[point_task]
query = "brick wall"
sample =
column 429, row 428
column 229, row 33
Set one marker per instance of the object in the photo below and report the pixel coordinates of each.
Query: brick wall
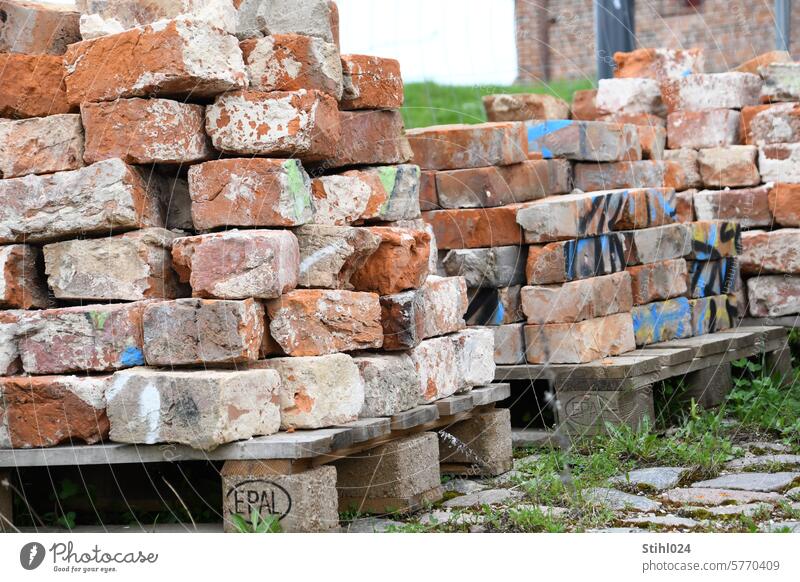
column 729, row 31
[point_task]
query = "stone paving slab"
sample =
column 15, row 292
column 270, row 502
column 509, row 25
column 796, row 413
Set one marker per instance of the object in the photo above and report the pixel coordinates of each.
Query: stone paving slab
column 655, row 478
column 763, row 461
column 711, row 496
column 764, row 482
column 619, row 500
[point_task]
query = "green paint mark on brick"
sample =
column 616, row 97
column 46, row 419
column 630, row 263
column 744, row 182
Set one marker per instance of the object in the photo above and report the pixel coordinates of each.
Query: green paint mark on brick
column 388, row 178
column 297, row 182
column 99, row 318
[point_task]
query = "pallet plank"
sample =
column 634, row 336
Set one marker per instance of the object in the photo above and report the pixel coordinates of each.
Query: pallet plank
column 454, row 404
column 365, row 429
column 417, row 416
column 482, row 395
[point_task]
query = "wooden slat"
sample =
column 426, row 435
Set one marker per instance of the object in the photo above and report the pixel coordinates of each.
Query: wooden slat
column 482, row 395
column 632, row 364
column 365, row 429
column 712, row 343
column 454, row 404
column 415, row 417
column 785, row 321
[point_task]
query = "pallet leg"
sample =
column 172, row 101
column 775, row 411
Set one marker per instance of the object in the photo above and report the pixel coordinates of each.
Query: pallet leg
column 482, row 446
column 779, row 362
column 709, row 386
column 398, row 477
column 6, row 501
column 587, row 413
column 303, row 499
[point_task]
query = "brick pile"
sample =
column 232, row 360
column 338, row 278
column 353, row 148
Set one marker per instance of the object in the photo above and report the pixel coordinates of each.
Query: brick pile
column 573, row 275
column 735, row 135
column 477, row 178
column 211, row 231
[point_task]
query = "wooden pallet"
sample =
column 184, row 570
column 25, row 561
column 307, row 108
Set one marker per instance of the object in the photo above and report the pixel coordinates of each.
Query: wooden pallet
column 620, row 389
column 282, row 453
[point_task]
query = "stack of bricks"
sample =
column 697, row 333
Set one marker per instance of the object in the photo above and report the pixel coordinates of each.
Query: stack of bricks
column 686, row 285
column 770, row 211
column 616, row 263
column 211, row 231
column 476, row 178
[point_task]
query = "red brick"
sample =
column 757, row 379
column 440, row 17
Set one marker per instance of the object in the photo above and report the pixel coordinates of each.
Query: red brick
column 176, row 58
column 315, row 322
column 711, row 91
column 371, row 83
column 780, row 162
column 684, row 205
column 711, row 128
column 645, row 173
column 784, row 204
column 688, row 160
column 145, row 131
column 575, row 343
column 475, row 228
column 22, row 285
column 437, row 308
column 570, row 260
column 577, row 300
column 587, row 141
column 773, row 295
column 714, row 239
column 238, row 264
column 729, row 167
column 747, row 206
column 303, row 124
column 371, row 138
column 289, row 62
column 32, row 28
column 32, row 86
column 658, row 281
column 710, row 314
column 46, row 411
column 632, row 95
column 775, row 251
column 453, row 147
column 105, row 198
column 428, row 193
column 202, row 332
column 130, row 267
column 42, row 145
column 658, row 63
column 249, row 192
column 502, row 185
column 94, row 338
column 768, row 124
column 653, row 140
column 583, row 214
column 400, row 263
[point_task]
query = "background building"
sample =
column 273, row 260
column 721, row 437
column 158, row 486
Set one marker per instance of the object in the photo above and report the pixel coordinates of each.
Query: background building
column 554, row 37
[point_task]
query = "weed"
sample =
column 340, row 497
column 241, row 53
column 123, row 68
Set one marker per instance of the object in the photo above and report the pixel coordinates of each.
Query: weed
column 761, row 400
column 257, row 524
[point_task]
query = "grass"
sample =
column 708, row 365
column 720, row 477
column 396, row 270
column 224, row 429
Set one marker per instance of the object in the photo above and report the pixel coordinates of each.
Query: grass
column 431, row 104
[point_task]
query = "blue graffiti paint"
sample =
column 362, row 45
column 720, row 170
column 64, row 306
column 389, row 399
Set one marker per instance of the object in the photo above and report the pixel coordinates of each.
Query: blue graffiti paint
column 499, row 314
column 660, row 316
column 669, row 209
column 132, row 356
column 539, row 130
